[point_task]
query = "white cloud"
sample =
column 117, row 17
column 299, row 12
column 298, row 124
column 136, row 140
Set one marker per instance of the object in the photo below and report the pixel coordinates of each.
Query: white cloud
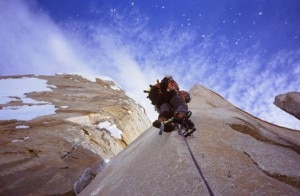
column 31, row 42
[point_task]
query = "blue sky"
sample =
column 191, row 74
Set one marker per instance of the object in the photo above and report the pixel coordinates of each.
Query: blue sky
column 248, row 51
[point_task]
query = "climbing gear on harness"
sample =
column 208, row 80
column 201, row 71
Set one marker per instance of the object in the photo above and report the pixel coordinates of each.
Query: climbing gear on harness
column 182, row 120
column 166, row 126
column 185, row 123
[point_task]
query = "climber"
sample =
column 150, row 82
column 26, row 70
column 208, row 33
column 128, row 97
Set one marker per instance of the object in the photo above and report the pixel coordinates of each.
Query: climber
column 171, row 102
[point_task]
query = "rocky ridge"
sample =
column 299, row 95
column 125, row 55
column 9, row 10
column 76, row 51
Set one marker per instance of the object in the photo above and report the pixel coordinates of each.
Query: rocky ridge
column 238, row 154
column 56, row 153
column 289, row 102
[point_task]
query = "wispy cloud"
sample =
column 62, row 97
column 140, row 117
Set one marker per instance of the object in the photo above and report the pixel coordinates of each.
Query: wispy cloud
column 31, row 42
column 134, row 55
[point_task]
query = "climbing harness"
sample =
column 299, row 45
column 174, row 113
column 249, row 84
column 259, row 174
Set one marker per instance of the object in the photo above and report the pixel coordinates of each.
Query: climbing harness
column 187, row 124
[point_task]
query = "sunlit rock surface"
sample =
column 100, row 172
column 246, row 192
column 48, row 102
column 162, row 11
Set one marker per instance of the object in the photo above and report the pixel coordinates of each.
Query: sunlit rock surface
column 55, row 153
column 289, row 102
column 237, row 153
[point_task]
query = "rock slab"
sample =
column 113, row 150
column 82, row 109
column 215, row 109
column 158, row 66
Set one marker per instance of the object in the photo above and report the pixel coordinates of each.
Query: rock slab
column 238, row 155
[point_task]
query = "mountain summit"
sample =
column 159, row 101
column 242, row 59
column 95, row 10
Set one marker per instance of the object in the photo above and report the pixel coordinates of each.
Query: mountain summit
column 237, row 154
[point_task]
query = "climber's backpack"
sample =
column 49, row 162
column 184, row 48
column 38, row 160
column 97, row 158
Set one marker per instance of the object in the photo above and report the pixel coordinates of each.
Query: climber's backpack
column 153, row 92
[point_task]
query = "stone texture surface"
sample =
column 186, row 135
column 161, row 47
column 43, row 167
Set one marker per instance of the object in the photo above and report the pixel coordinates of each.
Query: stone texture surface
column 52, row 153
column 289, row 102
column 237, row 153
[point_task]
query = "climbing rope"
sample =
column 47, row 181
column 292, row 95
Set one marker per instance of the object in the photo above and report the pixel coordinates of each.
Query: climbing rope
column 195, row 161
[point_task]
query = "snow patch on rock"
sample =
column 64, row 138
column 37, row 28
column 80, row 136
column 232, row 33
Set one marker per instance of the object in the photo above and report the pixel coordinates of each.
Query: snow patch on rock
column 26, row 112
column 18, row 87
column 22, row 127
column 112, row 128
column 15, row 89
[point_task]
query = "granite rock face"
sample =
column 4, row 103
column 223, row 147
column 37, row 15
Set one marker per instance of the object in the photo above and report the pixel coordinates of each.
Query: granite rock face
column 238, row 154
column 54, row 154
column 289, row 102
